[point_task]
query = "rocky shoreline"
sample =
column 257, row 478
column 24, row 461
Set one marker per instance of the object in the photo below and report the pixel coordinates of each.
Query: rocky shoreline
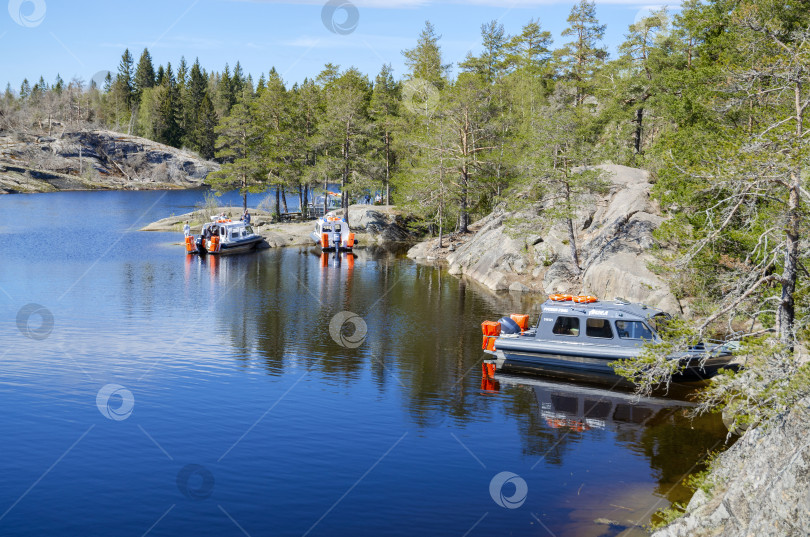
column 760, row 486
column 373, row 225
column 95, row 160
column 527, row 251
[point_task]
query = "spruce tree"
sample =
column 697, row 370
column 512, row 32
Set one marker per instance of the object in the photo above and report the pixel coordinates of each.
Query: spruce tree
column 204, row 134
column 196, row 91
column 144, row 74
column 124, row 79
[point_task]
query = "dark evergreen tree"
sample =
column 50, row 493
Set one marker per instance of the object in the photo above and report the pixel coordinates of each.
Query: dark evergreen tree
column 204, row 134
column 144, row 75
column 124, row 81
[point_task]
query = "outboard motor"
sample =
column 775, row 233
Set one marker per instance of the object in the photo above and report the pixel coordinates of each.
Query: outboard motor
column 509, row 326
column 336, row 239
column 200, row 245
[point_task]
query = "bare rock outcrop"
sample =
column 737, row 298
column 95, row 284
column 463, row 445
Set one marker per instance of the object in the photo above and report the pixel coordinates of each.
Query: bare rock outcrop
column 97, row 159
column 613, row 235
column 379, row 224
column 760, row 486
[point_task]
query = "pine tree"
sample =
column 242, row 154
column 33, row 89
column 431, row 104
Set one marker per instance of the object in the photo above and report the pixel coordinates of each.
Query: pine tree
column 345, row 132
column 581, row 57
column 491, row 64
column 384, row 111
column 272, row 112
column 307, row 113
column 425, row 60
column 237, row 139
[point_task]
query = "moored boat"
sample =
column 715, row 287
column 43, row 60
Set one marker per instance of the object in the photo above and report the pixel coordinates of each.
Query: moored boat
column 581, row 335
column 333, row 233
column 223, row 236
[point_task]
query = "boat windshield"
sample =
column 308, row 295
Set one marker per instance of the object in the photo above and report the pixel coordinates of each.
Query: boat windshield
column 660, row 321
column 633, row 330
column 248, row 229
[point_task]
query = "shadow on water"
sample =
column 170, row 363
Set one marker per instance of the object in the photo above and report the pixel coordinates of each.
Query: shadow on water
column 556, row 416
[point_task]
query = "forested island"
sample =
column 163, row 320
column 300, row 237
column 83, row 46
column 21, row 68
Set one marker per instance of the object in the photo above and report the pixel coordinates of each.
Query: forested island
column 711, row 101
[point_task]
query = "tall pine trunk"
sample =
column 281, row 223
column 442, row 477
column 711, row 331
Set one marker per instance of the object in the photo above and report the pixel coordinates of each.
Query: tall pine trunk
column 344, row 180
column 464, row 216
column 572, row 238
column 244, row 193
column 786, row 313
column 637, row 137
column 388, row 168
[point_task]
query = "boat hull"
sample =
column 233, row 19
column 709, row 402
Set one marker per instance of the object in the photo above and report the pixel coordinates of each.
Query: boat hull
column 331, row 248
column 524, row 354
column 232, row 248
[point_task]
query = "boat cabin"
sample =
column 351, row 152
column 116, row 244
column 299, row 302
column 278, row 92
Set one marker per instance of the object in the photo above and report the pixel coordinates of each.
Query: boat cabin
column 615, row 322
column 227, row 230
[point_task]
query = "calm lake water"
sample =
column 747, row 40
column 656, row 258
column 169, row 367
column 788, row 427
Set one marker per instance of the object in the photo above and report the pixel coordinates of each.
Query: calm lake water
column 146, row 392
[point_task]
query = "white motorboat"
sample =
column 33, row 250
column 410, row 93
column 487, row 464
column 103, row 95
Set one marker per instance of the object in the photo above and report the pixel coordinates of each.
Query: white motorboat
column 223, row 236
column 333, row 233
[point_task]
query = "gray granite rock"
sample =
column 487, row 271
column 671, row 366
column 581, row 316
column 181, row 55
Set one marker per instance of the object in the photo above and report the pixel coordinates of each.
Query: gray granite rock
column 762, row 485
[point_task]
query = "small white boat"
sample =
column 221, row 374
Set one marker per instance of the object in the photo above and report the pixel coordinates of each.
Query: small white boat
column 333, row 233
column 223, row 236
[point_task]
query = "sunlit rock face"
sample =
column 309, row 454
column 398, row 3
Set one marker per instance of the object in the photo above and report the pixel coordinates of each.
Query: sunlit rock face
column 614, row 236
column 95, row 159
column 762, row 485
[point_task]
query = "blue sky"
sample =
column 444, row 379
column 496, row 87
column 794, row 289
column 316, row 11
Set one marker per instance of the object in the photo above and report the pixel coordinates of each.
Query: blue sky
column 78, row 38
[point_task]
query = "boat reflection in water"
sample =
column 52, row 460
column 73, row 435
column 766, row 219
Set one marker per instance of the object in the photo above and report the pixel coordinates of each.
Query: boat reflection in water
column 583, row 408
column 623, row 434
column 338, row 259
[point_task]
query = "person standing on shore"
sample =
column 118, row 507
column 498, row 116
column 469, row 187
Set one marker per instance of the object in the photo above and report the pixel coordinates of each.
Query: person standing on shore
column 246, row 217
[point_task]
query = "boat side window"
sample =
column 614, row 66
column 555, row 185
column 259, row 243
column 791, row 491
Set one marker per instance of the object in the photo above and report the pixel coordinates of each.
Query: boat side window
column 248, row 230
column 633, row 330
column 566, row 326
column 598, row 328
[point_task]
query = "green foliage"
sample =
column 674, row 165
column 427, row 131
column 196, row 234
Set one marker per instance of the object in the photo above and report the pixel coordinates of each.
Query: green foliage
column 771, row 381
column 667, row 515
column 654, row 367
